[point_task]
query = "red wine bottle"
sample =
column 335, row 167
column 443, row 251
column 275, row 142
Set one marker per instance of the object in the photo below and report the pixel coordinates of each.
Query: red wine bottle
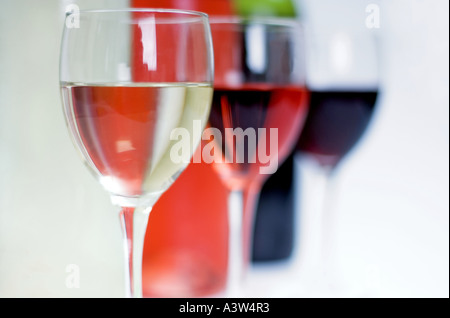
column 274, row 226
column 185, row 252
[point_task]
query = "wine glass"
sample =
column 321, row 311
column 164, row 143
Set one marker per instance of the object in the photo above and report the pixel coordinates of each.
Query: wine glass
column 134, row 82
column 344, row 82
column 258, row 110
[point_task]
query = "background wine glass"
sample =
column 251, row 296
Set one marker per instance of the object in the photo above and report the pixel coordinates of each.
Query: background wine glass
column 273, row 225
column 344, row 82
column 259, row 84
column 121, row 120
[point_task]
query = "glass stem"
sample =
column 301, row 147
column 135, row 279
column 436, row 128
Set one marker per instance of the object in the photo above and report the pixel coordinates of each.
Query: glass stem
column 250, row 204
column 315, row 223
column 134, row 224
column 236, row 261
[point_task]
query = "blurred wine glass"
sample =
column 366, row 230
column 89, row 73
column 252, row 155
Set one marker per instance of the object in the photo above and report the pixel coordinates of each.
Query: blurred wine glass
column 258, row 110
column 344, row 82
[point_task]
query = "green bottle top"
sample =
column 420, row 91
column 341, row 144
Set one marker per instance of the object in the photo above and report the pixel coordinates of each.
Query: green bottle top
column 277, row 8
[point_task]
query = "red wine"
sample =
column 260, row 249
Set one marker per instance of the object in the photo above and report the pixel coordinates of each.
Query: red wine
column 335, row 123
column 253, row 107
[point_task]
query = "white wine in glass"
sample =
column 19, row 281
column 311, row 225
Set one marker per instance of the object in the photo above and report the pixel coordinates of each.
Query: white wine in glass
column 129, row 80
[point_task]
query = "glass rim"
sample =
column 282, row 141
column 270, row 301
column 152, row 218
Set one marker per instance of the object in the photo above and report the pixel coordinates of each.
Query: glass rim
column 149, row 10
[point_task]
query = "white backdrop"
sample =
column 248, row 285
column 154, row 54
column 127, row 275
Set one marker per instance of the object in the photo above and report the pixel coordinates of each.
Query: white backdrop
column 393, row 204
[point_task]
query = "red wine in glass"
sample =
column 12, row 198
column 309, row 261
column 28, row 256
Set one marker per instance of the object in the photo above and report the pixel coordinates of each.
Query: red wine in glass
column 253, row 107
column 256, row 106
column 335, row 123
column 337, row 119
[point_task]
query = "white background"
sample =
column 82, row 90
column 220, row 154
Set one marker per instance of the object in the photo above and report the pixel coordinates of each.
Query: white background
column 392, row 213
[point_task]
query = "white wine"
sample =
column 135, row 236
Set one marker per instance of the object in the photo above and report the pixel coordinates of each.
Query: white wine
column 123, row 131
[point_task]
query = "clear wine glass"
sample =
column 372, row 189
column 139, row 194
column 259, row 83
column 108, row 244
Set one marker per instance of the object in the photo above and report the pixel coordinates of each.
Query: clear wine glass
column 258, row 110
column 133, row 82
column 343, row 77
